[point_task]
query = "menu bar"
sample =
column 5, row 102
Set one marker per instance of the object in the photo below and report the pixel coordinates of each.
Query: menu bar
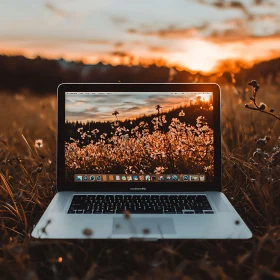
column 129, row 93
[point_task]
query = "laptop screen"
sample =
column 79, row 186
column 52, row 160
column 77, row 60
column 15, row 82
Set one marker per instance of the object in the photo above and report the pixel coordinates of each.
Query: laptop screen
column 139, row 137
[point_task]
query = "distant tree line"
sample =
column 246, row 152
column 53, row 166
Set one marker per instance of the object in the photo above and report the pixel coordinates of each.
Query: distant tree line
column 44, row 75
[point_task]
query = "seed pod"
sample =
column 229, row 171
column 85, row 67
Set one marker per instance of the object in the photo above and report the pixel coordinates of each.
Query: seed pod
column 262, row 106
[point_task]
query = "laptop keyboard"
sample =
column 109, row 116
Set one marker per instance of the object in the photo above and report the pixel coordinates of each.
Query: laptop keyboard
column 140, row 204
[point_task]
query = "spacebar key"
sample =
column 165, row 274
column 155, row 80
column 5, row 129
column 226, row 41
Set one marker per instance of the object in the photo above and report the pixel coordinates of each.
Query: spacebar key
column 147, row 211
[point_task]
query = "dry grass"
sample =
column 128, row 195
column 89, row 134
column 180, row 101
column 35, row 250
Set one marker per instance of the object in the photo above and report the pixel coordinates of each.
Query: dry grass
column 27, row 182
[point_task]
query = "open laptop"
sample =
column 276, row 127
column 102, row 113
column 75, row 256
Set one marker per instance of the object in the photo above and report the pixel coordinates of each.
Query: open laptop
column 139, row 161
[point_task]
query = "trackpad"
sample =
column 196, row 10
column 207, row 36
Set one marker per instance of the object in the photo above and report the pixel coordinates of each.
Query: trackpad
column 142, row 226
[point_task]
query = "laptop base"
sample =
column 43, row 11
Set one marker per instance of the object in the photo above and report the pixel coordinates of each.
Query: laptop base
column 225, row 223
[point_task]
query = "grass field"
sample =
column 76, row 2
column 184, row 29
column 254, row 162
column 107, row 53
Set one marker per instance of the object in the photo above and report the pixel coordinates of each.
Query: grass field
column 251, row 180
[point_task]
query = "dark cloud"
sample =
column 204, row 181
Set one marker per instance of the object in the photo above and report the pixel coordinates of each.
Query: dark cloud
column 68, row 101
column 237, row 35
column 129, row 103
column 97, row 41
column 153, row 100
column 238, row 5
column 51, row 7
column 232, row 4
column 82, row 116
column 226, row 5
column 120, row 54
column 228, row 35
column 157, row 49
column 132, row 31
column 88, row 110
column 119, row 44
column 263, row 3
column 171, row 31
column 119, row 20
column 271, row 17
column 87, row 114
column 133, row 108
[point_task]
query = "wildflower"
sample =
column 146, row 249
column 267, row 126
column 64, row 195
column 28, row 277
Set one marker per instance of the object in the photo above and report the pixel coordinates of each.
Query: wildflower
column 38, row 169
column 116, row 113
column 95, row 131
column 257, row 152
column 261, row 141
column 255, row 86
column 159, row 170
column 253, row 83
column 158, row 107
column 253, row 180
column 38, row 143
column 182, row 113
column 266, row 155
column 163, row 119
column 275, row 158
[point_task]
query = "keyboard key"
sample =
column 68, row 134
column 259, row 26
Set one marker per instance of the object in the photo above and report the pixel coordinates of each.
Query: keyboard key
column 96, row 211
column 139, row 211
column 79, row 197
column 208, row 212
column 188, row 212
column 110, row 211
column 79, row 211
column 198, row 211
column 169, row 211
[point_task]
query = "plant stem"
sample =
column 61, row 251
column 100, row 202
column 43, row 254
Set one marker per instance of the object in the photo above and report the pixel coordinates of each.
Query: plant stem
column 268, row 113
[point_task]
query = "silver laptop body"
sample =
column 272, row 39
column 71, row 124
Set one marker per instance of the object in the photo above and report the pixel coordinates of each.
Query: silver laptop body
column 139, row 161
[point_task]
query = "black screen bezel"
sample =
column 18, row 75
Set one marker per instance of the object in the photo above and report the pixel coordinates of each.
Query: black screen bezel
column 215, row 185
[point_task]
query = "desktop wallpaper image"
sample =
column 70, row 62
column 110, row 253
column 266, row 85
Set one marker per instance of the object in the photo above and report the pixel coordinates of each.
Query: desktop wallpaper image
column 150, row 133
column 233, row 43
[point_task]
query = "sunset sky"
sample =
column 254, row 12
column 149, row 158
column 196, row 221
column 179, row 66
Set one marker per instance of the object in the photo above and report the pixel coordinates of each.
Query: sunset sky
column 193, row 34
column 130, row 106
